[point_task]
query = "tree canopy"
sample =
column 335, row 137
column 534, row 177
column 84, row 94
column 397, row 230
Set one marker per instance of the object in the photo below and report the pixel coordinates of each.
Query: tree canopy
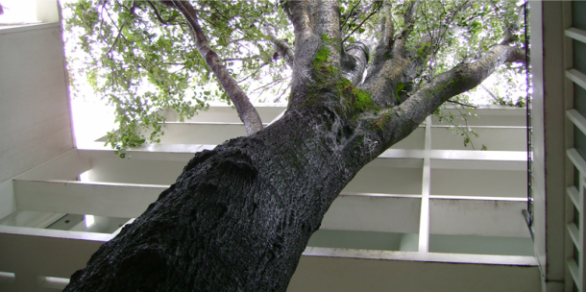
column 141, row 55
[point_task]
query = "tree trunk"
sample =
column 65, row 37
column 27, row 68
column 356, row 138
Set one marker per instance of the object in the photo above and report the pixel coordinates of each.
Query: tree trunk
column 239, row 216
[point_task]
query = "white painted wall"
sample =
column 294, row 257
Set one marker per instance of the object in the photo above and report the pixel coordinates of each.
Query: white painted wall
column 34, row 109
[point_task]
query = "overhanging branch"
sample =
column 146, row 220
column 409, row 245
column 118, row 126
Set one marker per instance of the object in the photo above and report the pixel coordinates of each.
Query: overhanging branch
column 245, row 109
column 398, row 122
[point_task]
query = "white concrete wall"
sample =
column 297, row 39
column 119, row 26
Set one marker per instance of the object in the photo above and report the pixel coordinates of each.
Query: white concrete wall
column 34, row 104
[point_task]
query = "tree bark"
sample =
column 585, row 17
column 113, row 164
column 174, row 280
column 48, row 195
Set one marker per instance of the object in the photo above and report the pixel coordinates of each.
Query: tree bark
column 237, row 219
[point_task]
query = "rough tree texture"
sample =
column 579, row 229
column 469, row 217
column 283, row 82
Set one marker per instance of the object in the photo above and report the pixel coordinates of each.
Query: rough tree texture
column 239, row 217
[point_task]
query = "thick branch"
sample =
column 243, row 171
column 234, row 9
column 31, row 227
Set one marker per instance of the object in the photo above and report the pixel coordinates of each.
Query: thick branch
column 317, row 48
column 409, row 20
column 389, row 81
column 245, row 109
column 354, row 61
column 387, row 26
column 391, row 67
column 306, row 45
column 398, row 122
column 298, row 12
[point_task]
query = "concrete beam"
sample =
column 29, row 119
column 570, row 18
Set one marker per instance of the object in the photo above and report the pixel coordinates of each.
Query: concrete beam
column 102, row 199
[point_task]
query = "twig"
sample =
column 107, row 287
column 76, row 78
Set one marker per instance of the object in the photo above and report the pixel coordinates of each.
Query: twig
column 118, row 36
column 348, row 17
column 490, row 93
column 360, row 25
column 168, row 22
column 251, row 74
column 463, row 104
column 271, row 83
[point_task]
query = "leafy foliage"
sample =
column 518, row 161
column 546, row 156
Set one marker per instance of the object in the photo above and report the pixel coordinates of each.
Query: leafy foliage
column 140, row 56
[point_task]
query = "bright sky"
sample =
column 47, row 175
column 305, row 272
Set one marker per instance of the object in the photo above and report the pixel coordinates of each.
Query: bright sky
column 18, row 11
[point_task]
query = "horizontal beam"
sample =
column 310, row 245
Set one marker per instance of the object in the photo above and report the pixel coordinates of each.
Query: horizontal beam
column 574, row 234
column 341, row 270
column 576, row 159
column 577, row 119
column 577, row 76
column 224, row 113
column 577, row 34
column 30, row 253
column 44, row 252
column 357, row 212
column 574, row 197
column 174, row 152
column 410, row 158
column 489, row 160
column 480, row 217
column 371, row 212
column 574, row 270
column 102, row 199
column 65, row 167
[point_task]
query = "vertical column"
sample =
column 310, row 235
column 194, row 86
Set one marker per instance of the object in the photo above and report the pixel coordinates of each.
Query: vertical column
column 548, row 139
column 425, row 190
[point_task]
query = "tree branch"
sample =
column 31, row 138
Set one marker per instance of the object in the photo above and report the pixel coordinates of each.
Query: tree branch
column 353, row 62
column 398, row 122
column 347, row 17
column 282, row 47
column 387, row 26
column 489, row 93
column 306, row 45
column 317, row 47
column 117, row 36
column 363, row 21
column 158, row 15
column 409, row 19
column 462, row 104
column 298, row 12
column 390, row 66
column 245, row 109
